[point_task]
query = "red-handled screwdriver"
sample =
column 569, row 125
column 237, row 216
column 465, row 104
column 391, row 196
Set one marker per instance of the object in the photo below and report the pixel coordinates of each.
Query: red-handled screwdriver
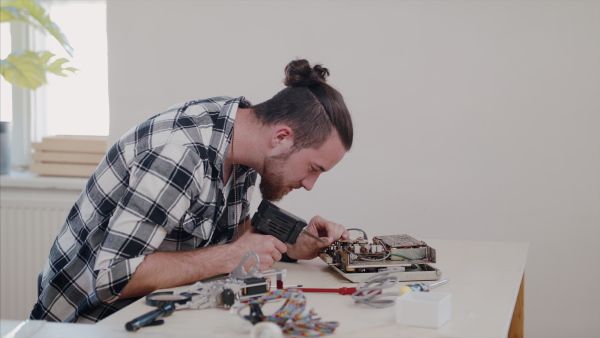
column 341, row 291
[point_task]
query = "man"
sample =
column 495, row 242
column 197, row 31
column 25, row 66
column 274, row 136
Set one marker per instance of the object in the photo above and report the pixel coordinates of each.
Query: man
column 169, row 204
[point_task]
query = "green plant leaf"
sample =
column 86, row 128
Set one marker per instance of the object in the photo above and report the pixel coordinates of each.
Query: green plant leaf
column 8, row 14
column 57, row 68
column 31, row 8
column 23, row 69
column 16, row 11
column 28, row 69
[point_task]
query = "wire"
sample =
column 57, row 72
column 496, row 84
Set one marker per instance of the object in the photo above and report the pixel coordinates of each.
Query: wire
column 289, row 316
column 410, row 259
column 415, row 267
column 374, row 259
column 361, row 230
column 370, row 290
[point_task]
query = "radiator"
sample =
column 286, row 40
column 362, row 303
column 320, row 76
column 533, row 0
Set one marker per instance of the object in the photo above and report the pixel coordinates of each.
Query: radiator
column 30, row 220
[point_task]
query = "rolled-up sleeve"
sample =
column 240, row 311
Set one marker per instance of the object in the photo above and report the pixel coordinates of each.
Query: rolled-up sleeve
column 162, row 183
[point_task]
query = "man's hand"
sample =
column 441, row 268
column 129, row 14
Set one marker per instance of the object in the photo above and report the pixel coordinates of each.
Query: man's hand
column 163, row 269
column 268, row 248
column 308, row 248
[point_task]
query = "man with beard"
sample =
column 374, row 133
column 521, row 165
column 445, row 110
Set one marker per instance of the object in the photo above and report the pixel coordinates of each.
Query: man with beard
column 169, row 204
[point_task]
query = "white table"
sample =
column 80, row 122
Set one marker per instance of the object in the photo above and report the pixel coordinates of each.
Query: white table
column 485, row 284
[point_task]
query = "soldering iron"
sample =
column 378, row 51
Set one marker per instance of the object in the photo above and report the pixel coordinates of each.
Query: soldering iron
column 272, row 220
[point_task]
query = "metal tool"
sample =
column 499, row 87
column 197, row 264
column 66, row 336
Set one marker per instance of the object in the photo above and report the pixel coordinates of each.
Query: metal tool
column 151, row 318
column 421, row 286
column 341, row 291
column 272, row 220
column 309, row 234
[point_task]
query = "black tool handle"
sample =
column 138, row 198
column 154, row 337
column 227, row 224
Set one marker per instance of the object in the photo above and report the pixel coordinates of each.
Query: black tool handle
column 148, row 318
column 271, row 220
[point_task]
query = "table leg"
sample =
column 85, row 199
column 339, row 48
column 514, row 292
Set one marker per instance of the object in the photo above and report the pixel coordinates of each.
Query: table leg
column 516, row 324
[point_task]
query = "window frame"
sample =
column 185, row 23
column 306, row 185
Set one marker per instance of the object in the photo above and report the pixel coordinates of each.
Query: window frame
column 29, row 113
column 22, row 105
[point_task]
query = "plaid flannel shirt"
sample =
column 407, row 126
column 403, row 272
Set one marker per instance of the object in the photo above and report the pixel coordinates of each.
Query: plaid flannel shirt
column 160, row 187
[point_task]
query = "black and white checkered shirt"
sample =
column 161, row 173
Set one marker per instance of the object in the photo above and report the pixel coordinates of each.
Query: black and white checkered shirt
column 160, row 187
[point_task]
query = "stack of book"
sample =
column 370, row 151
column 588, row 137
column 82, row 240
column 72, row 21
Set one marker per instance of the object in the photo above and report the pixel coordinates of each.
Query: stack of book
column 68, row 156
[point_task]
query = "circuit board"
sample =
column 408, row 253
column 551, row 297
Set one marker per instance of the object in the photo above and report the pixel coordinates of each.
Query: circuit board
column 402, row 255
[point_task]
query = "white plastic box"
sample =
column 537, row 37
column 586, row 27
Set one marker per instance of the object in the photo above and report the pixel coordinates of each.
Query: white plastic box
column 423, row 309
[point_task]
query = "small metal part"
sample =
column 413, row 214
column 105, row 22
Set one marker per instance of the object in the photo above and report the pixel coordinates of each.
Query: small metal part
column 400, row 241
column 421, row 286
column 436, row 284
column 255, row 286
column 240, row 272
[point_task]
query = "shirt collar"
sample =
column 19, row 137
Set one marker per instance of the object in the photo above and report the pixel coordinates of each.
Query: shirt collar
column 220, row 141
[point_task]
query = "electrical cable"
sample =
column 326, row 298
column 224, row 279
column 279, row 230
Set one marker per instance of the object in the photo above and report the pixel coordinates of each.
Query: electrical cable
column 374, row 259
column 361, row 230
column 415, row 267
column 410, row 259
column 370, row 290
column 289, row 316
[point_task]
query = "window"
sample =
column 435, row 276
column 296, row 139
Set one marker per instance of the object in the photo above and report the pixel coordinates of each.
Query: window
column 74, row 105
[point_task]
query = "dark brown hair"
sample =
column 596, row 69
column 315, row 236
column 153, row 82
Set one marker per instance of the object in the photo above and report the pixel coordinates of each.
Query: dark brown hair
column 310, row 106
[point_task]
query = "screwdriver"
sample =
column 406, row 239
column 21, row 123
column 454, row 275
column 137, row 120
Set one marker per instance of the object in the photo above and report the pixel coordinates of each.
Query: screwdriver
column 309, row 234
column 341, row 291
column 421, row 286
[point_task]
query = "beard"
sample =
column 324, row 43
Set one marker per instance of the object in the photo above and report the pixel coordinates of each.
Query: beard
column 272, row 187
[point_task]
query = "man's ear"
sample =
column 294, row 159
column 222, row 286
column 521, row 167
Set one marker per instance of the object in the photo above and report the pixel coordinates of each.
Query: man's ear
column 283, row 138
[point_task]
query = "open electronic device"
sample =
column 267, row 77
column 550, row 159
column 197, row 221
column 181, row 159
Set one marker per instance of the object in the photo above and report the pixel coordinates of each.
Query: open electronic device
column 402, row 255
column 356, row 259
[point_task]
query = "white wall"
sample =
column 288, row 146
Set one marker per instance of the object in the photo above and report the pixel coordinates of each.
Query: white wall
column 473, row 119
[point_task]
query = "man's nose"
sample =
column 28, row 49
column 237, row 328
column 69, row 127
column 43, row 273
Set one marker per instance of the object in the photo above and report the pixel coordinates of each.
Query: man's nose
column 309, row 182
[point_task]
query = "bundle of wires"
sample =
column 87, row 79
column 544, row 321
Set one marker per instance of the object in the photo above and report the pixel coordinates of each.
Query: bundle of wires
column 289, row 316
column 370, row 291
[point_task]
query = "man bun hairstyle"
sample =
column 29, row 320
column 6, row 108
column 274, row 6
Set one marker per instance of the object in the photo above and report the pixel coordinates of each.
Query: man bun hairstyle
column 299, row 74
column 311, row 107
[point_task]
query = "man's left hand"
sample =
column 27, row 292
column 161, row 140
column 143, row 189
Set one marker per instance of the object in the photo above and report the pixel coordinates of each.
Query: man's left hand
column 307, row 247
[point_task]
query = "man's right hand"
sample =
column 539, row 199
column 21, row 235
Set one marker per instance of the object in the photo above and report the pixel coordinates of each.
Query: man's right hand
column 268, row 248
column 162, row 269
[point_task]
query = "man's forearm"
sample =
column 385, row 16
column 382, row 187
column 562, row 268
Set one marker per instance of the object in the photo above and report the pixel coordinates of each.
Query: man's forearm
column 163, row 269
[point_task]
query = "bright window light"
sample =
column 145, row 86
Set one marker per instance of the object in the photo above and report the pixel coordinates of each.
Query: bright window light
column 78, row 104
